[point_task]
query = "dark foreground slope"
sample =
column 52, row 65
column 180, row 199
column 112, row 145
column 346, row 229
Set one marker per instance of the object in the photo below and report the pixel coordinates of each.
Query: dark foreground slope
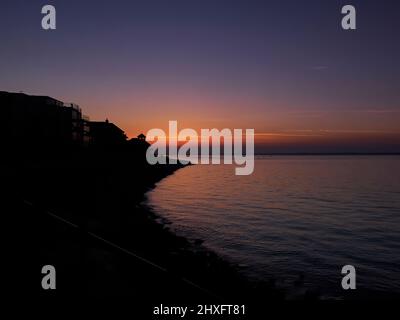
column 80, row 212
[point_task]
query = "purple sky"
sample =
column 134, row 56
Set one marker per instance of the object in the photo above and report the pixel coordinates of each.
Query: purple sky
column 284, row 68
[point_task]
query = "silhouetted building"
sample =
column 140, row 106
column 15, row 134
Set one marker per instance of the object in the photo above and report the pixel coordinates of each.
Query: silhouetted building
column 39, row 121
column 72, row 124
column 138, row 144
column 105, row 134
column 86, row 130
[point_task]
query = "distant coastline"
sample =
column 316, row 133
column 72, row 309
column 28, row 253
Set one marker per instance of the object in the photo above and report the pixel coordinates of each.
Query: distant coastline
column 330, row 154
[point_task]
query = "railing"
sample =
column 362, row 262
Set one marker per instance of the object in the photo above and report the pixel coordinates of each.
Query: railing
column 73, row 106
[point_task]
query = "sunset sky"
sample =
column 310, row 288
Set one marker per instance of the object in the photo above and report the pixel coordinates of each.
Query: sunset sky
column 284, row 68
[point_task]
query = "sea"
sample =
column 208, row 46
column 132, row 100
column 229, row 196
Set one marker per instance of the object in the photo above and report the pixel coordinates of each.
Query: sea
column 297, row 219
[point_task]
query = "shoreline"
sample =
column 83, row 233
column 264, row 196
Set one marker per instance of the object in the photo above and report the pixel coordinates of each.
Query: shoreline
column 213, row 272
column 139, row 259
column 220, row 270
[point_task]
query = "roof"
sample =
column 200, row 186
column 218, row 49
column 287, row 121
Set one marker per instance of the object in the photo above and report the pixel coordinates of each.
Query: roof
column 27, row 96
column 104, row 125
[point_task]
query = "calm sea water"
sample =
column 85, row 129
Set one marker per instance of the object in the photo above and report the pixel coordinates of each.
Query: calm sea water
column 295, row 217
